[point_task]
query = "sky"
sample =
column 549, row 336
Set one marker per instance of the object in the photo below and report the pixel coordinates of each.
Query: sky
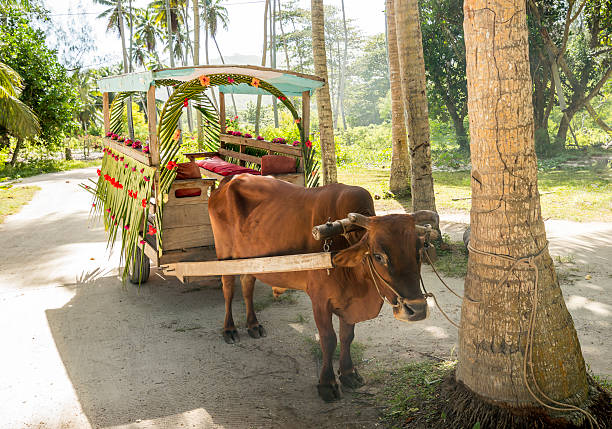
column 243, row 37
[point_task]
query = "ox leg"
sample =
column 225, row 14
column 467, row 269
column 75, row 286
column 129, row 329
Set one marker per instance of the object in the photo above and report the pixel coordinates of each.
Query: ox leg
column 254, row 329
column 230, row 334
column 327, row 387
column 349, row 377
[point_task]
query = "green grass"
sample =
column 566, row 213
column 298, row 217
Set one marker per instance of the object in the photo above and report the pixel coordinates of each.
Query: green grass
column 452, row 261
column 357, row 350
column 41, row 167
column 411, row 393
column 579, row 194
column 13, row 198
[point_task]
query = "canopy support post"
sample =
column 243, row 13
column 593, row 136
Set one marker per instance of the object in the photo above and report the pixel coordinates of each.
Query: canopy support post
column 306, row 114
column 221, row 112
column 106, row 110
column 152, row 116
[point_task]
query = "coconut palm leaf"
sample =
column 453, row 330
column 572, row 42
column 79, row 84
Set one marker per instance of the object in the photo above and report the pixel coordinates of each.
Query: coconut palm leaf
column 19, row 119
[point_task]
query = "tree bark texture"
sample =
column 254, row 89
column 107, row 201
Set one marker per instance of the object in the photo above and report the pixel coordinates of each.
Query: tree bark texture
column 399, row 179
column 414, row 95
column 196, row 61
column 326, row 124
column 506, row 220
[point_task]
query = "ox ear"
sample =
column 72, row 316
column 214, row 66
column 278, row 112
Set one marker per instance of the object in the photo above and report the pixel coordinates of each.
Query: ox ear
column 352, row 256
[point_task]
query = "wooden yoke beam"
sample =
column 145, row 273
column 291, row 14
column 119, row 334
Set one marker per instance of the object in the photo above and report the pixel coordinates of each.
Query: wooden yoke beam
column 106, row 110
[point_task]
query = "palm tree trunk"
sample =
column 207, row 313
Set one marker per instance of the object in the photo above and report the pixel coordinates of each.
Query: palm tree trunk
column 16, row 151
column 280, row 23
column 223, row 62
column 399, row 179
column 196, row 61
column 326, row 125
column 263, row 63
column 412, row 68
column 126, row 69
column 273, row 56
column 169, row 30
column 506, row 220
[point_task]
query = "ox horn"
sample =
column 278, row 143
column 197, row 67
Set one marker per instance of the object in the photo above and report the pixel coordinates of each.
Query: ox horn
column 423, row 217
column 359, row 220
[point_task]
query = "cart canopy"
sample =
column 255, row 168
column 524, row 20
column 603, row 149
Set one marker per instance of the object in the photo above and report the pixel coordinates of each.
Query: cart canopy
column 288, row 82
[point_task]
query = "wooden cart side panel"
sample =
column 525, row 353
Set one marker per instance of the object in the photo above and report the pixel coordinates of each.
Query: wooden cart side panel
column 185, row 237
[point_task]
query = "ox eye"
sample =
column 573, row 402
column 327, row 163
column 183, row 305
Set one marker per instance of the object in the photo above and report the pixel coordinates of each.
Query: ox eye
column 379, row 258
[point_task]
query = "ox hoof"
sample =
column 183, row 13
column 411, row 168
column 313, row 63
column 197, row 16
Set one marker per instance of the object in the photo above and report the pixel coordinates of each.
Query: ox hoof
column 257, row 332
column 231, row 336
column 352, row 380
column 329, row 392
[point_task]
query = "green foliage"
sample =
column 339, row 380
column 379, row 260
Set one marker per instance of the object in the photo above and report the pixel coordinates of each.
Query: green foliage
column 369, row 83
column 444, row 54
column 47, row 87
column 15, row 117
column 35, row 167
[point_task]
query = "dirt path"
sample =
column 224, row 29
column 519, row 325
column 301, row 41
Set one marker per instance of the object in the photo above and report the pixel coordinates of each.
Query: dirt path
column 80, row 350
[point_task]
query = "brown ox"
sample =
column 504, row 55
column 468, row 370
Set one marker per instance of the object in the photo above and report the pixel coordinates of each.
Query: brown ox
column 255, row 216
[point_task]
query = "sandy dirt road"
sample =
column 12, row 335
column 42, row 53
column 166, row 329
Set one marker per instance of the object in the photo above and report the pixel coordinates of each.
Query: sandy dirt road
column 80, row 350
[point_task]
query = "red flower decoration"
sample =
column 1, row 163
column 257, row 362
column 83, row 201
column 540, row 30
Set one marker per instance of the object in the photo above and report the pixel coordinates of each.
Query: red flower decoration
column 135, row 194
column 142, row 170
column 230, row 80
column 93, row 205
column 130, row 193
column 171, row 165
column 146, row 179
column 186, row 102
column 142, row 242
column 133, row 168
column 308, row 143
column 151, row 230
column 144, row 202
column 126, row 227
column 99, row 172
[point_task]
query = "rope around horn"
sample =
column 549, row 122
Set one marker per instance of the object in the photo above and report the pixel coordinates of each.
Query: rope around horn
column 530, row 261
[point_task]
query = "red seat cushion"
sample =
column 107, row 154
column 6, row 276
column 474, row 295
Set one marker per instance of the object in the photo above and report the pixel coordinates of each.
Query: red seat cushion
column 278, row 164
column 224, row 168
column 188, row 170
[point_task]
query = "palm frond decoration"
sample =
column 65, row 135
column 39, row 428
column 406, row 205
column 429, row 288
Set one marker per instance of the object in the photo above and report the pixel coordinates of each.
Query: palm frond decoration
column 116, row 110
column 121, row 197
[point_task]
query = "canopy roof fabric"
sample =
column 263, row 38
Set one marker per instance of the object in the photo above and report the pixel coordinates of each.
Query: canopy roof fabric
column 289, row 83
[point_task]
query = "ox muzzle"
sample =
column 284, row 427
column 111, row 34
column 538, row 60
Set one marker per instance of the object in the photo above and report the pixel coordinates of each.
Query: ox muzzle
column 411, row 310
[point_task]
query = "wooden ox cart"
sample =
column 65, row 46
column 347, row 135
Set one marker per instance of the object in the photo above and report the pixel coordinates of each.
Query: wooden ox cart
column 162, row 217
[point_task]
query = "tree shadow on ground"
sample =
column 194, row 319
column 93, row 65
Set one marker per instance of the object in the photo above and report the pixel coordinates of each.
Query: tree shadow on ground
column 155, row 354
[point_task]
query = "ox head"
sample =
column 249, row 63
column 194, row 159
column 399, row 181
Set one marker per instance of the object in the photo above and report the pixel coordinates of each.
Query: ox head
column 393, row 244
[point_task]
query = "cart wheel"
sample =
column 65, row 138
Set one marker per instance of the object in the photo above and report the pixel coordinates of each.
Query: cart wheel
column 140, row 273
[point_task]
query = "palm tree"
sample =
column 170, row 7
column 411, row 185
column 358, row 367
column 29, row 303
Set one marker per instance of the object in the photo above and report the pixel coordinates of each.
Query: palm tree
column 215, row 16
column 326, row 125
column 146, row 30
column 115, row 15
column 263, row 63
column 518, row 347
column 412, row 68
column 399, row 179
column 15, row 117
